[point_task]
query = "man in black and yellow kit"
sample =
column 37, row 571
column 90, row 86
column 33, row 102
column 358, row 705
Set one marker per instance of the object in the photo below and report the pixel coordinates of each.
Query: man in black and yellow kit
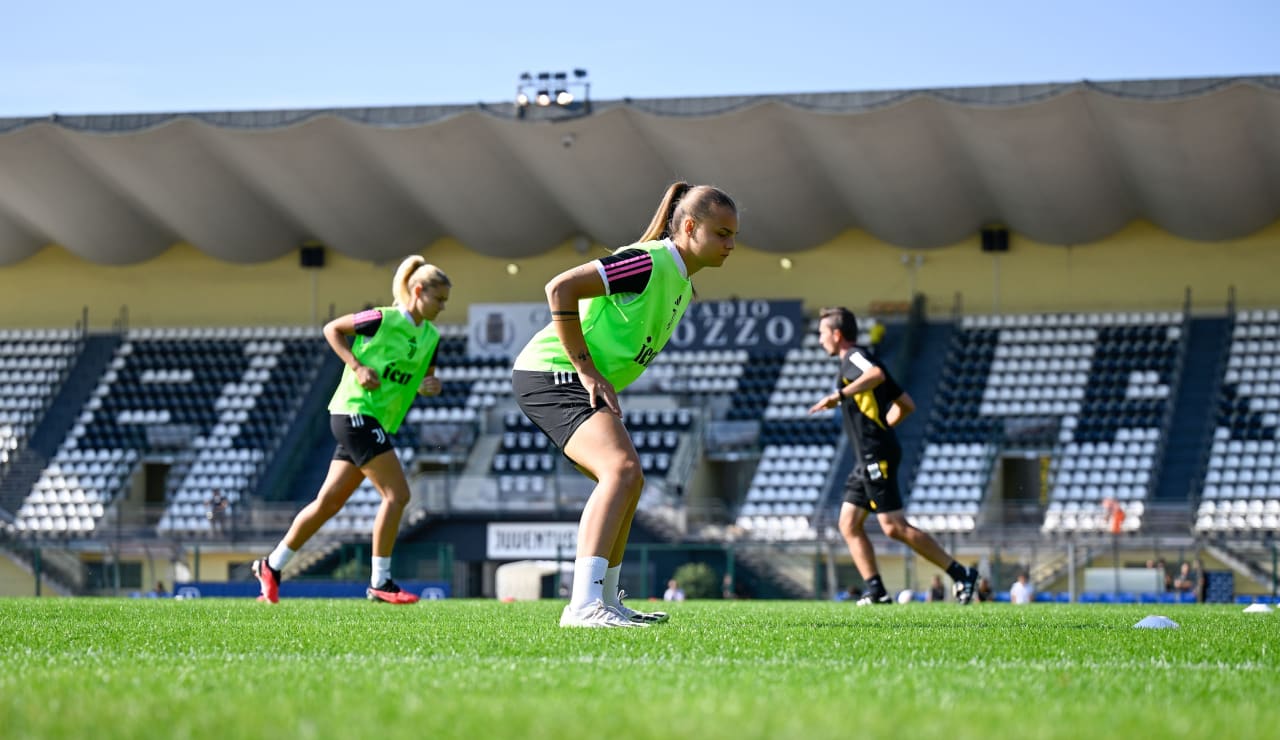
column 871, row 405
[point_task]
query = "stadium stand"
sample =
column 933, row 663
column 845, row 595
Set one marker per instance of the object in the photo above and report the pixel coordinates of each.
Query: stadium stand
column 798, row 452
column 213, row 399
column 526, row 458
column 32, row 365
column 469, row 383
column 1241, row 488
column 756, row 387
column 697, row 371
column 1095, row 388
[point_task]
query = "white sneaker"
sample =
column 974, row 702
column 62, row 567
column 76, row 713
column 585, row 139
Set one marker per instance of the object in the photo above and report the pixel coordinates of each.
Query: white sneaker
column 635, row 616
column 595, row 614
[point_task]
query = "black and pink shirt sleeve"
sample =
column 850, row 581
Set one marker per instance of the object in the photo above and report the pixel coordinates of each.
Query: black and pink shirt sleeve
column 367, row 322
column 626, row 271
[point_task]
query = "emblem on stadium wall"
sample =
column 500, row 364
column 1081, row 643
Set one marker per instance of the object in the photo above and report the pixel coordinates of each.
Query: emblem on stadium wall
column 501, row 329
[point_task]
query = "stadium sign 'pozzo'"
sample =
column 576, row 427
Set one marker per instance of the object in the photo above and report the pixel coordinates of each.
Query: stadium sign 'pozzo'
column 749, row 325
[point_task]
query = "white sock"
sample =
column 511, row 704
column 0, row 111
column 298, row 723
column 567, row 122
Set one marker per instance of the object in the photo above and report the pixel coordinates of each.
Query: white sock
column 381, row 571
column 280, row 556
column 610, row 587
column 588, row 580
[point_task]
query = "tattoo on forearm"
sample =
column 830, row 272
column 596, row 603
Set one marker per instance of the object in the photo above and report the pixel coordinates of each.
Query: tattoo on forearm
column 564, row 315
column 582, row 356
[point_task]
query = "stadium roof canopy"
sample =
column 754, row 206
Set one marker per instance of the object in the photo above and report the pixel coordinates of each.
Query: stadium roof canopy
column 1059, row 163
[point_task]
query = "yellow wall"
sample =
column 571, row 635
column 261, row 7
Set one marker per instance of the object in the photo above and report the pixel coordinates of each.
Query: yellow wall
column 14, row 581
column 215, row 565
column 18, row 581
column 183, row 287
column 1141, row 267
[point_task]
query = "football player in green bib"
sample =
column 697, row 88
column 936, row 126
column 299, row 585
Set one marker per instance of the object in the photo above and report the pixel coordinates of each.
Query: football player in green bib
column 388, row 362
column 610, row 318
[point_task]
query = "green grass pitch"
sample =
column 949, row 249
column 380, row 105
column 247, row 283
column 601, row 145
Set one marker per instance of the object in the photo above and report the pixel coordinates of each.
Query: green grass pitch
column 228, row 669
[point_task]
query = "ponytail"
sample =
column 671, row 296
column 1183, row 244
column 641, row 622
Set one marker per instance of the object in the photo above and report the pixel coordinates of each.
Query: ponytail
column 683, row 200
column 660, row 226
column 413, row 271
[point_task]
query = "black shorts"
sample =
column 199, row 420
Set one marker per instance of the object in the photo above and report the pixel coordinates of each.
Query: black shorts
column 873, row 485
column 360, row 438
column 556, row 403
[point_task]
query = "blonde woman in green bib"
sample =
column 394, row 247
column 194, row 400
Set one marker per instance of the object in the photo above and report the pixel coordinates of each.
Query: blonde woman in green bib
column 388, row 353
column 610, row 318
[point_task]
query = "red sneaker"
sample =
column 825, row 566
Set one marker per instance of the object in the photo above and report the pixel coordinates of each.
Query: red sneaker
column 269, row 579
column 390, row 593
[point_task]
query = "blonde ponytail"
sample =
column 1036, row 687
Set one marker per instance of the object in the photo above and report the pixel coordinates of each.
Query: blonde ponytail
column 413, row 271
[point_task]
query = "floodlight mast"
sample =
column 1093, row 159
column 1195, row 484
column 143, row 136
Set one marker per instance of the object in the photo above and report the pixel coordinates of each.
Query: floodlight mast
column 563, row 94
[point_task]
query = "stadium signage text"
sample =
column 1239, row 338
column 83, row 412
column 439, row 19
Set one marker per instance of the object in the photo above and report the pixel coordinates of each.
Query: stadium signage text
column 519, row 541
column 501, row 329
column 768, row 325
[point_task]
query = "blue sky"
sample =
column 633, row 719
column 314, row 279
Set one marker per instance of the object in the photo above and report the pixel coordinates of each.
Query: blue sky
column 76, row 56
